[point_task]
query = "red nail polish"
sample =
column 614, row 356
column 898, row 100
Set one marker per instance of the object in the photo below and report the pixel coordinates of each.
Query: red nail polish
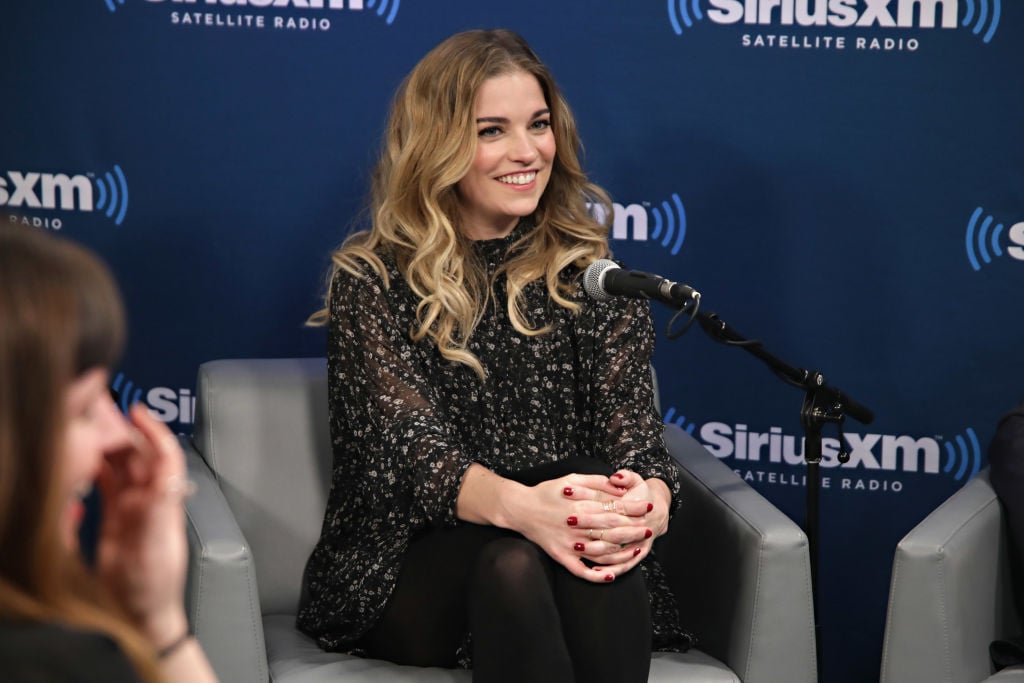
column 637, row 550
column 647, row 532
column 609, row 577
column 619, row 475
column 650, row 506
column 572, row 521
column 579, row 547
column 567, row 491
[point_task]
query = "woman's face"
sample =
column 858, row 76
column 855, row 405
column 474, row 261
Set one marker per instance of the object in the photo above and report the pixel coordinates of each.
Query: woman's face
column 514, row 152
column 93, row 427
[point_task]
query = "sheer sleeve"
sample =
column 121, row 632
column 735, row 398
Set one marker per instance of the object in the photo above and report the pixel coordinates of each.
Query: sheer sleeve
column 626, row 418
column 384, row 409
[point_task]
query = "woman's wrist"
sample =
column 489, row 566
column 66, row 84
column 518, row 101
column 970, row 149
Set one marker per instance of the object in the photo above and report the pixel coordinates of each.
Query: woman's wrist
column 165, row 630
column 174, row 646
column 487, row 498
column 510, row 496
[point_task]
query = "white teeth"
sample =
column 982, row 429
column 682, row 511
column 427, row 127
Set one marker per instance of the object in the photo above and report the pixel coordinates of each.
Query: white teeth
column 518, row 178
column 84, row 490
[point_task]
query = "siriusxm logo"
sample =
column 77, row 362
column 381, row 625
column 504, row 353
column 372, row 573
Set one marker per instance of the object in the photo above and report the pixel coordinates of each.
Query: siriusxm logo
column 979, row 15
column 107, row 192
column 167, row 404
column 387, row 9
column 881, row 452
column 967, row 453
column 984, row 240
column 382, row 9
column 634, row 221
column 670, row 417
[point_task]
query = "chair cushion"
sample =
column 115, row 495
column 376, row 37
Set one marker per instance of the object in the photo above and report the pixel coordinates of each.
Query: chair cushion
column 693, row 666
column 295, row 658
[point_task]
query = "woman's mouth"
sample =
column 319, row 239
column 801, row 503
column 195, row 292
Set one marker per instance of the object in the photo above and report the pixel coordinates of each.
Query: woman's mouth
column 524, row 178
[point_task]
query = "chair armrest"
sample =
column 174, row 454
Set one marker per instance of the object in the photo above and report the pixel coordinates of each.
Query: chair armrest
column 950, row 593
column 221, row 597
column 740, row 570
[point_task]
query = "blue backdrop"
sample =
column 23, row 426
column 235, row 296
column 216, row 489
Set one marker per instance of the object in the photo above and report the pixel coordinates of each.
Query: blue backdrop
column 843, row 179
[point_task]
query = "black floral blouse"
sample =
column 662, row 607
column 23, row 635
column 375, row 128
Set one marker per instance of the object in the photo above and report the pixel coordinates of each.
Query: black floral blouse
column 406, row 424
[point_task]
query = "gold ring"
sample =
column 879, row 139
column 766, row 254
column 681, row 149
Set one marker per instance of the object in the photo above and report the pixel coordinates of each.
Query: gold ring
column 608, row 505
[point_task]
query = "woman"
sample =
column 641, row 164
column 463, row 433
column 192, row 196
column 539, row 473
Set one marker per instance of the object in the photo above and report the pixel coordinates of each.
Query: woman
column 61, row 329
column 499, row 468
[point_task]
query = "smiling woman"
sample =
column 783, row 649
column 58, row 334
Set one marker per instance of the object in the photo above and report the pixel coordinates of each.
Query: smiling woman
column 61, row 329
column 499, row 469
column 514, row 152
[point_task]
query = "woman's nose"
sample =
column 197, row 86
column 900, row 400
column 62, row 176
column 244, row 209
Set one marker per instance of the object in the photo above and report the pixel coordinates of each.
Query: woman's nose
column 117, row 432
column 523, row 148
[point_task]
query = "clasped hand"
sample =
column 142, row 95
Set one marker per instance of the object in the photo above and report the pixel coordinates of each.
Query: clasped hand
column 598, row 527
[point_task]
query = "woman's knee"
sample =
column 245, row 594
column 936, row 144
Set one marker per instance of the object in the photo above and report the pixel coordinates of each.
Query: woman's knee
column 587, row 465
column 508, row 562
column 560, row 468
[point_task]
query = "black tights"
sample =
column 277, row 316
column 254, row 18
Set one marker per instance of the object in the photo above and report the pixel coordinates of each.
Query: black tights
column 530, row 618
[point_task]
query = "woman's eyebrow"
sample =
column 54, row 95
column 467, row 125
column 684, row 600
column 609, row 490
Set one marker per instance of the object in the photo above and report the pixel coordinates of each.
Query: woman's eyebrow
column 502, row 119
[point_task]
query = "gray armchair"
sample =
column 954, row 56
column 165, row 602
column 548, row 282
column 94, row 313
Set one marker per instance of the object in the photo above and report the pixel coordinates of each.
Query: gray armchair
column 950, row 594
column 261, row 460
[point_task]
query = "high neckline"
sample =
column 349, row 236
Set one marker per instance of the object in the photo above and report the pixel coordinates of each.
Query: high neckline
column 496, row 248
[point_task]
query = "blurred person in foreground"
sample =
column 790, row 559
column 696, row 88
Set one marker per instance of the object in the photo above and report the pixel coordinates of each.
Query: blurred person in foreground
column 123, row 619
column 500, row 473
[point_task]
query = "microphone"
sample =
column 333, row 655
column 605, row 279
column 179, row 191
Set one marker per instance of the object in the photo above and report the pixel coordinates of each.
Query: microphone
column 604, row 279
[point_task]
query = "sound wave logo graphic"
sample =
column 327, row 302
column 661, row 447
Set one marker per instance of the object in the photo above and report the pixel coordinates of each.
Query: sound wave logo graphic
column 674, row 222
column 633, row 222
column 112, row 193
column 680, row 421
column 984, row 15
column 111, row 6
column 687, row 10
column 966, row 454
column 382, row 8
column 978, row 239
column 125, row 394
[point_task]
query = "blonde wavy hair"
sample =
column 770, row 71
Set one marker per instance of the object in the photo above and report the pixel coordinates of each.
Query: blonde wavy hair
column 429, row 145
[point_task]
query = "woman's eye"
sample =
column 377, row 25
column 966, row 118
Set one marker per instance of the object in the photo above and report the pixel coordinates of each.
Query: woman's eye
column 86, row 413
column 489, row 132
column 541, row 124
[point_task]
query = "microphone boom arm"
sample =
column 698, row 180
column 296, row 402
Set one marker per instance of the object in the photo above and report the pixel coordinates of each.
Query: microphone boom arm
column 822, row 404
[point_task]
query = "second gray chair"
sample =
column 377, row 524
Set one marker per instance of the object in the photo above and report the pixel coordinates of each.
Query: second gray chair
column 950, row 594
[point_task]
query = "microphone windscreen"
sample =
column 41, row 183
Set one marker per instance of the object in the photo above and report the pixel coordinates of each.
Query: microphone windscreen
column 592, row 279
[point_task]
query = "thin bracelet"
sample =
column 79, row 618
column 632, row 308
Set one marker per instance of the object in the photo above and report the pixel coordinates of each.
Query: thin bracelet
column 169, row 650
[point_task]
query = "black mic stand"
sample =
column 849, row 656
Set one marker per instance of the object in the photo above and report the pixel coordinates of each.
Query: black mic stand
column 822, row 404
